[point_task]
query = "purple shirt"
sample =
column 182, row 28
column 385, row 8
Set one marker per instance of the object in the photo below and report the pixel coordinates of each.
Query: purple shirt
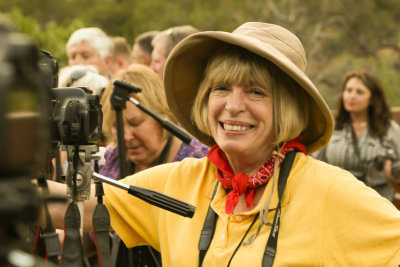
column 111, row 169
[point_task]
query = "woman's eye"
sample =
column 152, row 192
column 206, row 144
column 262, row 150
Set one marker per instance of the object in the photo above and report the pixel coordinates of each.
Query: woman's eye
column 219, row 88
column 133, row 123
column 257, row 91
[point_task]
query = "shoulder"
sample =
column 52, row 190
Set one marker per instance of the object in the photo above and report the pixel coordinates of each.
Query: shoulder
column 333, row 185
column 393, row 133
column 184, row 168
column 394, row 126
column 323, row 180
column 194, row 149
column 339, row 135
column 339, row 205
column 111, row 149
column 176, row 177
column 318, row 172
column 111, row 154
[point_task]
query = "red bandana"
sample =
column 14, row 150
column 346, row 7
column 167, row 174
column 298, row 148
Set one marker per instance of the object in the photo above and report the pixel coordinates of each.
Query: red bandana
column 240, row 183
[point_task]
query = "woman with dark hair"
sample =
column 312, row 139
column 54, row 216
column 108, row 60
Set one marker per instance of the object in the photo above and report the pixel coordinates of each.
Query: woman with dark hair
column 365, row 137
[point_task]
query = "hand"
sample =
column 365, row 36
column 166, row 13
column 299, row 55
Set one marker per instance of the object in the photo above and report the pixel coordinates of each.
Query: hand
column 387, row 170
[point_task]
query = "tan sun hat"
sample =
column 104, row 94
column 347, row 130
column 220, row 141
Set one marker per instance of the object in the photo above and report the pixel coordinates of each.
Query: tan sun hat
column 186, row 64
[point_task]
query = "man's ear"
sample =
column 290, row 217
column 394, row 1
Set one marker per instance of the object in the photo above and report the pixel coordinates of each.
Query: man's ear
column 122, row 63
column 147, row 59
column 108, row 59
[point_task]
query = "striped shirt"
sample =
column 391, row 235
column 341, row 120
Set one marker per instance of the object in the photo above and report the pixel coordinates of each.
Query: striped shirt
column 340, row 152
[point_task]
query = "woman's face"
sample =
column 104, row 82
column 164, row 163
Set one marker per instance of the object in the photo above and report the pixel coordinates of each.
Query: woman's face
column 356, row 96
column 241, row 119
column 143, row 136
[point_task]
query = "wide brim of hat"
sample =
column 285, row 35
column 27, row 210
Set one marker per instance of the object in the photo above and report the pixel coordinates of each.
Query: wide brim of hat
column 185, row 68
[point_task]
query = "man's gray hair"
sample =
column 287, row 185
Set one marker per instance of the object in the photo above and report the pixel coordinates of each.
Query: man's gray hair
column 96, row 38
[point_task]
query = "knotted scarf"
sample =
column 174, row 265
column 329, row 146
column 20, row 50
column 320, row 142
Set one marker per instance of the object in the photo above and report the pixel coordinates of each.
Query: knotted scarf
column 240, row 183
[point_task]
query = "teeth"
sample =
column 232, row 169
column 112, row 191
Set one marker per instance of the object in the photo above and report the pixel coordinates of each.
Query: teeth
column 231, row 127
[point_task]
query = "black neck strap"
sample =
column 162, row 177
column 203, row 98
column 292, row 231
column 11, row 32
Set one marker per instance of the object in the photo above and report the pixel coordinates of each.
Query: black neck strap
column 207, row 233
column 72, row 254
column 270, row 249
column 101, row 228
column 355, row 141
column 162, row 158
column 210, row 222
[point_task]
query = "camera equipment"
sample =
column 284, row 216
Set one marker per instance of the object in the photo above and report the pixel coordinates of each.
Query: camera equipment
column 152, row 197
column 390, row 155
column 76, row 112
column 23, row 105
column 23, row 142
column 49, row 67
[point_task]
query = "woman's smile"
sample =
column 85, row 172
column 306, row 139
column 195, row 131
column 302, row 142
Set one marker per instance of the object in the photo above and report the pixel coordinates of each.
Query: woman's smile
column 235, row 126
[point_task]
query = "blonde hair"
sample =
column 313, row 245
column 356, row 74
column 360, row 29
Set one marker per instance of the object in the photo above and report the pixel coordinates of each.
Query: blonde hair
column 152, row 95
column 232, row 64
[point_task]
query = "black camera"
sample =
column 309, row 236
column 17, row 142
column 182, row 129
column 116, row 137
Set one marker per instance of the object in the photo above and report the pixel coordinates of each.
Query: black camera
column 77, row 114
column 390, row 155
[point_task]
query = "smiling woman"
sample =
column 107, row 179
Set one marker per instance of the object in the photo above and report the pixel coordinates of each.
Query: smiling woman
column 259, row 196
column 246, row 95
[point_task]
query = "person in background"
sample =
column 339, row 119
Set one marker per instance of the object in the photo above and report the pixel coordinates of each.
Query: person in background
column 365, row 136
column 260, row 198
column 147, row 144
column 145, row 138
column 163, row 44
column 121, row 54
column 91, row 46
column 142, row 48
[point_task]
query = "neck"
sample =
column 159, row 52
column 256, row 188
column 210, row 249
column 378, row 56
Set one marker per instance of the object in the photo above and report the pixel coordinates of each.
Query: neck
column 249, row 164
column 175, row 146
column 359, row 117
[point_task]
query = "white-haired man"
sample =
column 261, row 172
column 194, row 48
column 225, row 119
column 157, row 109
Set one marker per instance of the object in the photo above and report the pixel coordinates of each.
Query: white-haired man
column 91, row 46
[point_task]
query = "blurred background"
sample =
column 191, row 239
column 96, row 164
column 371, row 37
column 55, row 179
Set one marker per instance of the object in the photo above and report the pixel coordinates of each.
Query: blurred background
column 338, row 35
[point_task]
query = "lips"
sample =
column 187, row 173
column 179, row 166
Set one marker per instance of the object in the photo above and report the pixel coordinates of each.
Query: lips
column 133, row 148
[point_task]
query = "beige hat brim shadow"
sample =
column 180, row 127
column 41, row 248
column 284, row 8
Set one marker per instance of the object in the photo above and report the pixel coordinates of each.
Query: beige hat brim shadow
column 185, row 68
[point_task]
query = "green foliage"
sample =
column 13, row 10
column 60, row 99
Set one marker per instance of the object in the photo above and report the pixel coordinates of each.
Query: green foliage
column 51, row 37
column 338, row 36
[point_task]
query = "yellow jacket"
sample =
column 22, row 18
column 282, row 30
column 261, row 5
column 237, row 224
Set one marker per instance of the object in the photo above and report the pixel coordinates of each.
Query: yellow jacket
column 329, row 218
